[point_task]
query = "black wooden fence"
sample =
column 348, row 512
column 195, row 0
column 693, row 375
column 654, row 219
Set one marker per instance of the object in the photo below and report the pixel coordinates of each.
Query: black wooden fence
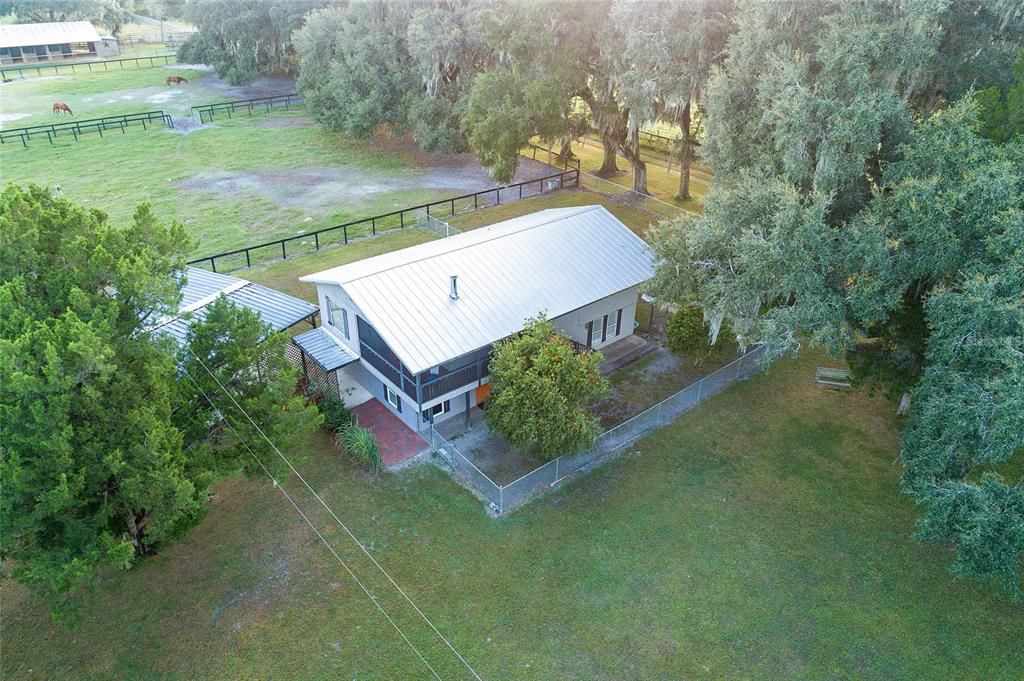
column 7, row 72
column 206, row 112
column 78, row 127
column 399, row 219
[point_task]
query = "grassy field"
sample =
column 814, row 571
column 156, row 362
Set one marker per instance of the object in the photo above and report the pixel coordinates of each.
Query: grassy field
column 234, row 183
column 758, row 537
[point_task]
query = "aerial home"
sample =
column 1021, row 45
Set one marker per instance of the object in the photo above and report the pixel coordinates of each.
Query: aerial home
column 31, row 43
column 413, row 328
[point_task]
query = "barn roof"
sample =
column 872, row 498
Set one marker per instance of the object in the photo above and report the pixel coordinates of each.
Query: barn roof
column 553, row 261
column 24, row 35
column 202, row 287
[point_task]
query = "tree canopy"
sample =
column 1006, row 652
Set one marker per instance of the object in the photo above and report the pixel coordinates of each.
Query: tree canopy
column 244, row 40
column 856, row 208
column 108, row 449
column 113, row 14
column 543, row 391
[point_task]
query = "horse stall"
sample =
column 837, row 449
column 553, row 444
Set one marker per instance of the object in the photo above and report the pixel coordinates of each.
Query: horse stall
column 57, row 41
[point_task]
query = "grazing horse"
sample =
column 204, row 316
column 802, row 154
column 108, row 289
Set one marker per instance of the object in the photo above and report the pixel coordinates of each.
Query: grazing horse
column 59, row 107
column 177, row 80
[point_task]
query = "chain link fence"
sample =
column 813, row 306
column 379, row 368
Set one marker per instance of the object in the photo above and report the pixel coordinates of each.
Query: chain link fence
column 502, row 498
column 428, row 223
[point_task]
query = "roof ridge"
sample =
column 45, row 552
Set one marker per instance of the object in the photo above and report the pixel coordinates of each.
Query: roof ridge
column 582, row 209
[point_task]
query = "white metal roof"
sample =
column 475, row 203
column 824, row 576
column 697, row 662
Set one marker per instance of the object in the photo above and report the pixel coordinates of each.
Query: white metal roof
column 24, row 35
column 553, row 261
column 202, row 287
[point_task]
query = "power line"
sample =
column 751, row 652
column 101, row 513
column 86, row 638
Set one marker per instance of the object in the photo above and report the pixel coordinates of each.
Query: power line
column 313, row 527
column 338, row 520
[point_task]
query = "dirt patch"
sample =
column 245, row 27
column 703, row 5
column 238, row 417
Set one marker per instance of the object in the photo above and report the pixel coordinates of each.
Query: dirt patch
column 6, row 118
column 165, row 96
column 301, row 122
column 324, row 190
column 184, row 125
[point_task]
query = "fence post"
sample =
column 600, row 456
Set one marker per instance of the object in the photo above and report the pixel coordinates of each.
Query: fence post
column 344, row 229
column 316, row 240
column 373, row 225
column 284, row 256
column 248, row 263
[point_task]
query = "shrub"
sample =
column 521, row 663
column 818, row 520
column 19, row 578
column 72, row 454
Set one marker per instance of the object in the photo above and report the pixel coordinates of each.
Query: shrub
column 543, row 392
column 336, row 415
column 361, row 444
column 687, row 334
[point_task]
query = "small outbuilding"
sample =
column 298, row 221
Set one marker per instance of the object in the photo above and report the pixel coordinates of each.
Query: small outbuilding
column 58, row 41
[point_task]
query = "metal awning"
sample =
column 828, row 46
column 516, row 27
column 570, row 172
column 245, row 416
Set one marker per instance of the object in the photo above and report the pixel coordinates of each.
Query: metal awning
column 320, row 345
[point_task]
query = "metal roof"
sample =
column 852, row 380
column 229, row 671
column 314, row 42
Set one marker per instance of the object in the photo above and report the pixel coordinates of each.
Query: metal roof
column 25, row 35
column 201, row 288
column 319, row 344
column 555, row 261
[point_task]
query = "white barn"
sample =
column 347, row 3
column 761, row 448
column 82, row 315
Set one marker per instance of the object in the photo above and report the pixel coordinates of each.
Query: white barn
column 33, row 43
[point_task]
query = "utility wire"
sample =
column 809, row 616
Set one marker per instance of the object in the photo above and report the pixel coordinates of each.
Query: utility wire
column 337, row 519
column 313, row 527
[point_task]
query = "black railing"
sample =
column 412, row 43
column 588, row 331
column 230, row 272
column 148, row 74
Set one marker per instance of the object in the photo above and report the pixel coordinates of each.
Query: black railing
column 52, row 130
column 454, row 380
column 577, row 347
column 398, row 219
column 71, row 65
column 207, row 111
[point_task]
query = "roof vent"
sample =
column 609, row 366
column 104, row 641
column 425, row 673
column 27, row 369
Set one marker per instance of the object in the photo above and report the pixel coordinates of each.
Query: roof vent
column 454, row 294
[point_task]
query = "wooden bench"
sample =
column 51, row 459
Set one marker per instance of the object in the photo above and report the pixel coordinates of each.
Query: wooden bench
column 832, row 378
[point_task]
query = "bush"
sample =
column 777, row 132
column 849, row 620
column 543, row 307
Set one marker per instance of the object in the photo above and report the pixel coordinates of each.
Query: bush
column 360, row 443
column 336, row 415
column 543, row 392
column 687, row 334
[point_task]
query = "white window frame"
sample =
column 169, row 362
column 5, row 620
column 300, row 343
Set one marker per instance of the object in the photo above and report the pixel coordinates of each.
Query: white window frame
column 613, row 320
column 392, row 397
column 332, row 319
column 444, row 408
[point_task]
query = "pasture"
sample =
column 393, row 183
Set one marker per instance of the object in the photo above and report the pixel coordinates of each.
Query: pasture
column 739, row 542
column 233, row 182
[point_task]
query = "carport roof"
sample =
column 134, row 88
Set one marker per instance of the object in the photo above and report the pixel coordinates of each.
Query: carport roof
column 202, row 287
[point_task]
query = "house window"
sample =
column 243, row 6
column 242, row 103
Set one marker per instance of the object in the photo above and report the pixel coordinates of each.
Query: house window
column 600, row 330
column 437, row 410
column 613, row 325
column 337, row 317
column 393, row 399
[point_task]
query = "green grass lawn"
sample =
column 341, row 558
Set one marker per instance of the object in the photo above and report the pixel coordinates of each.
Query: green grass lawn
column 761, row 536
column 235, row 183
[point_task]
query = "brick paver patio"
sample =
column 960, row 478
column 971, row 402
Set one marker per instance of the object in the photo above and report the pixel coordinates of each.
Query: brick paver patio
column 395, row 440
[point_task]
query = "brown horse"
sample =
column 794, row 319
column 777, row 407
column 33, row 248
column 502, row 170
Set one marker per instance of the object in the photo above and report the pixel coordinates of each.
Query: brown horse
column 177, row 80
column 59, row 107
